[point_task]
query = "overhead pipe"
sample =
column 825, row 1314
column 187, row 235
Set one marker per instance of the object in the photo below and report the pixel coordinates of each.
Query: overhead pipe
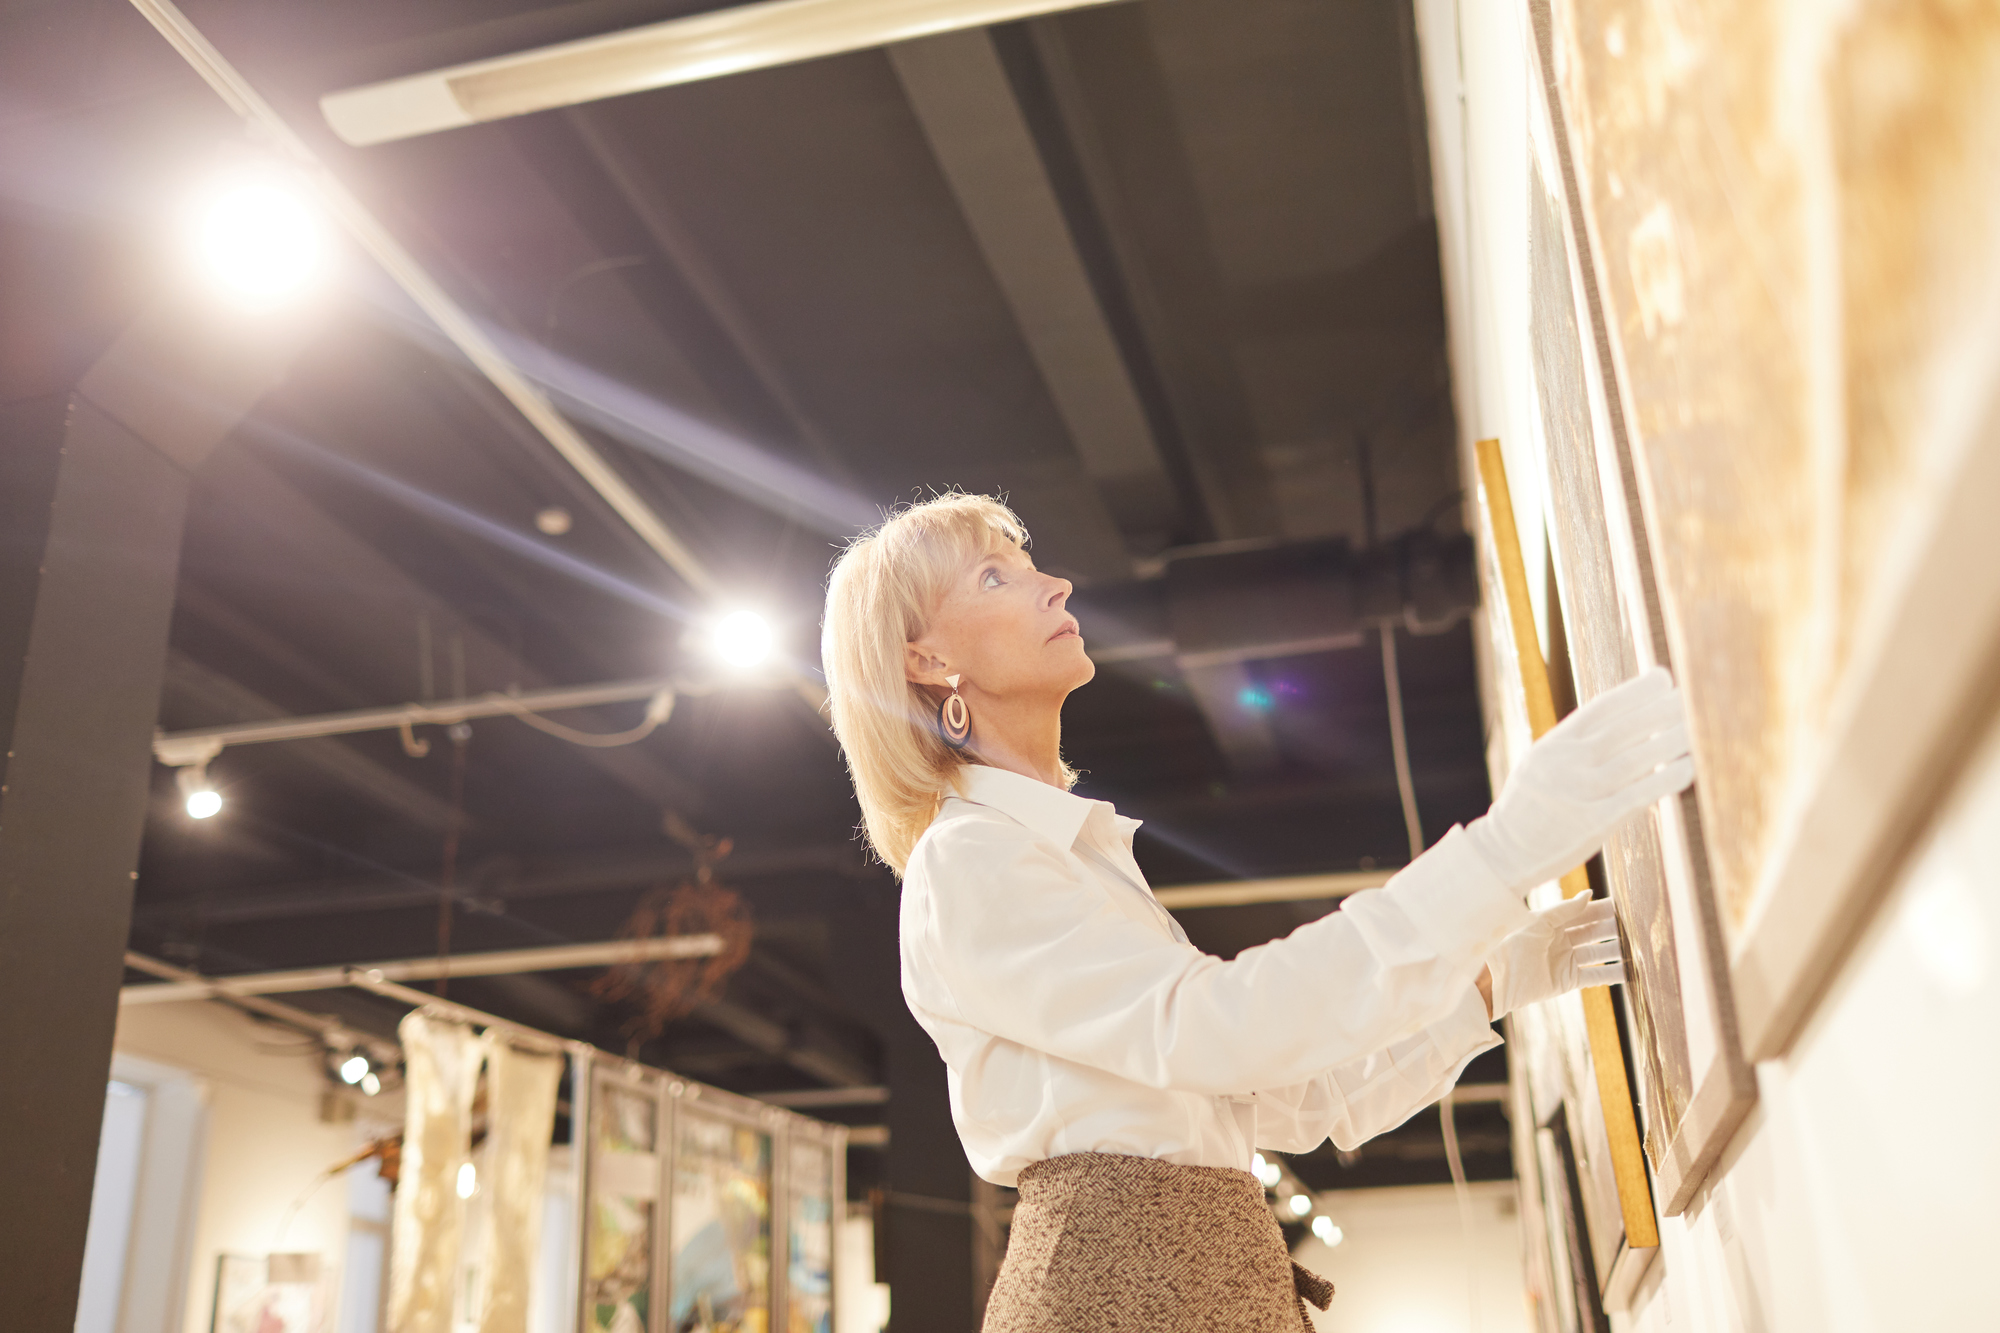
column 503, row 963
column 658, row 55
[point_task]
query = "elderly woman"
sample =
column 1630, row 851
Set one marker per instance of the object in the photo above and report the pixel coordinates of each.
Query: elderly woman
column 1115, row 1073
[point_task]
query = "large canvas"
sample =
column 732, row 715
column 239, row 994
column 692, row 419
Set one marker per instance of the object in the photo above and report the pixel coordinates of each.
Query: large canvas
column 720, row 1253
column 1795, row 211
column 1695, row 1086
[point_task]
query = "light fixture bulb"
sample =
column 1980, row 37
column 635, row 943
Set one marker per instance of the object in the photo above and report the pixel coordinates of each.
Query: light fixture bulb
column 468, row 1180
column 354, row 1068
column 257, row 238
column 370, row 1083
column 204, row 803
column 1329, row 1234
column 1301, row 1205
column 1257, row 1165
column 742, row 639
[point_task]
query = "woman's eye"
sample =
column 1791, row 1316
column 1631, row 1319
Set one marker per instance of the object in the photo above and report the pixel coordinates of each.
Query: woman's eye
column 990, row 579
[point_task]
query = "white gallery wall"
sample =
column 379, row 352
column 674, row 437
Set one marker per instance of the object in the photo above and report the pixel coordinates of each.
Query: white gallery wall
column 261, row 1146
column 1407, row 1263
column 1855, row 1195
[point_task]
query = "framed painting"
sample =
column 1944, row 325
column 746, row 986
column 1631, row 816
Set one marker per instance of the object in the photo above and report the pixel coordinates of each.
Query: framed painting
column 621, row 1202
column 1694, row 1084
column 719, row 1252
column 269, row 1293
column 814, row 1192
column 1801, row 320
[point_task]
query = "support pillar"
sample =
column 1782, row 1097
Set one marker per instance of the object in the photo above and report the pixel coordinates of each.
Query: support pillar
column 94, row 479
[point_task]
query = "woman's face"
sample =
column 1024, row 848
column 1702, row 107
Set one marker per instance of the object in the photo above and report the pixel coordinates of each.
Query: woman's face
column 1005, row 627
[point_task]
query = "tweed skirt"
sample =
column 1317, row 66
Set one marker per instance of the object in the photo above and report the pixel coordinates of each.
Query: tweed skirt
column 1103, row 1242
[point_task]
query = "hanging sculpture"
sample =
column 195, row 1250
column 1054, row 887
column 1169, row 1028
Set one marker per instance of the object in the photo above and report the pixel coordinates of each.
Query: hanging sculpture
column 668, row 988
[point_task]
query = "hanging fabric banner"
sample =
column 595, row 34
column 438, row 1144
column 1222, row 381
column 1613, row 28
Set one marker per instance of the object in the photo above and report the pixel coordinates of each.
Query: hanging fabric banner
column 441, row 1071
column 520, row 1116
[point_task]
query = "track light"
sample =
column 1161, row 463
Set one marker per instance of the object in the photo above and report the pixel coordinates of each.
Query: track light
column 1301, row 1205
column 198, row 794
column 257, row 238
column 1329, row 1234
column 354, row 1068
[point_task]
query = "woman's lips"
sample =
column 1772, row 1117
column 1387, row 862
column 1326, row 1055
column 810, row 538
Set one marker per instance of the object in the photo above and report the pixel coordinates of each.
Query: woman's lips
column 1069, row 631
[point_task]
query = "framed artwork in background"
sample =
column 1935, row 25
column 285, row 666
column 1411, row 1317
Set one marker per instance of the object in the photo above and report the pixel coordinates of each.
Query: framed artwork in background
column 622, row 1202
column 720, row 1229
column 269, row 1293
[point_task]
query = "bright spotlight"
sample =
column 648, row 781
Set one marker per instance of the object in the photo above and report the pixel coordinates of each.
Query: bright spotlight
column 742, row 639
column 203, row 801
column 371, row 1083
column 258, row 239
column 1329, row 1234
column 354, row 1068
column 1301, row 1205
column 468, row 1180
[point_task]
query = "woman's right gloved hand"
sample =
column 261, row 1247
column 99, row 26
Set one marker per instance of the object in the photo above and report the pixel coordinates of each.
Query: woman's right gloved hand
column 1618, row 754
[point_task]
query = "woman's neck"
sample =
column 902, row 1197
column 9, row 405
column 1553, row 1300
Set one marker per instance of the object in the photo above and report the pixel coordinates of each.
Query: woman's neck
column 1022, row 736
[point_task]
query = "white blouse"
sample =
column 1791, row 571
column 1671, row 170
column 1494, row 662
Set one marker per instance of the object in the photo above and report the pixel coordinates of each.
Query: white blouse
column 1073, row 1014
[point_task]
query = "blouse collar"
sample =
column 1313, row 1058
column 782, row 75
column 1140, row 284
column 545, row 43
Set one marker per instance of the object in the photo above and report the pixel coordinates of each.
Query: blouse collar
column 1047, row 811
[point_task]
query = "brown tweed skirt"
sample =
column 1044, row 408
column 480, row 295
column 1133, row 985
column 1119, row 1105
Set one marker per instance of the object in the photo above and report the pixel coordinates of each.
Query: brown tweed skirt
column 1103, row 1242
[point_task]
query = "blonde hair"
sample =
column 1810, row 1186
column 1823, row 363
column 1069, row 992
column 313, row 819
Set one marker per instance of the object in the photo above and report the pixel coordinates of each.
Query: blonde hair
column 882, row 593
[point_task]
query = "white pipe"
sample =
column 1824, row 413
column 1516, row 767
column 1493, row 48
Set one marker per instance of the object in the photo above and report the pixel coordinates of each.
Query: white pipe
column 1291, row 888
column 199, row 745
column 658, row 55
column 424, row 969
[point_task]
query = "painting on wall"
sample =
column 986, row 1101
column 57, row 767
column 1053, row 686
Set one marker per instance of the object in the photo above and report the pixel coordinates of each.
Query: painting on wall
column 1606, row 626
column 624, row 1185
column 809, row 1203
column 721, row 1241
column 1800, row 301
column 269, row 1293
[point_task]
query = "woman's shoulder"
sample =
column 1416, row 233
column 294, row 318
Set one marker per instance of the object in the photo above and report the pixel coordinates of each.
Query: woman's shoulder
column 965, row 835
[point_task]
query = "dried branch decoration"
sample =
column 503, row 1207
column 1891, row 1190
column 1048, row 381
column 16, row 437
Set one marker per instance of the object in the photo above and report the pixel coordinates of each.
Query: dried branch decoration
column 671, row 988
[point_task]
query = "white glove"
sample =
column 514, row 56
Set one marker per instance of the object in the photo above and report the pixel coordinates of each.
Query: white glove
column 1562, row 948
column 1618, row 754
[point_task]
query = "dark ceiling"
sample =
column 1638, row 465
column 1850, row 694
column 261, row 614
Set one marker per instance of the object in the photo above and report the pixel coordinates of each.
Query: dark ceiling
column 768, row 301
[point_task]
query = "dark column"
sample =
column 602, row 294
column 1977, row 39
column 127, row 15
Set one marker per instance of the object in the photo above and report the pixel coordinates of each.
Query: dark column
column 93, row 485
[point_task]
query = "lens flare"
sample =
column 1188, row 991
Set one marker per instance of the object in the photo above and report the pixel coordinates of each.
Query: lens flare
column 258, row 240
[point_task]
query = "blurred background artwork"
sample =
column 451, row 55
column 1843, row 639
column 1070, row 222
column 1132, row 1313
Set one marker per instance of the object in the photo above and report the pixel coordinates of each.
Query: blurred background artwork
column 270, row 1293
column 721, row 1225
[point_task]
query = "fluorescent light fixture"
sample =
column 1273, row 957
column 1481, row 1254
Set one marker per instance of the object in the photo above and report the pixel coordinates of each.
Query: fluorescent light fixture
column 658, row 55
column 257, row 239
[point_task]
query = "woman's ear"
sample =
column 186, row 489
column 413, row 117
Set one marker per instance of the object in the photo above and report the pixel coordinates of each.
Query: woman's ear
column 920, row 668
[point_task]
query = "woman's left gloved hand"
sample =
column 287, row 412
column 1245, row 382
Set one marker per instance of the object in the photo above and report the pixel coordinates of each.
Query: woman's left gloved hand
column 1562, row 948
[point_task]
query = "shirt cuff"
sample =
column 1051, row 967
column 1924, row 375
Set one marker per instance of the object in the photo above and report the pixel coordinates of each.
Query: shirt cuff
column 1459, row 907
column 1465, row 1031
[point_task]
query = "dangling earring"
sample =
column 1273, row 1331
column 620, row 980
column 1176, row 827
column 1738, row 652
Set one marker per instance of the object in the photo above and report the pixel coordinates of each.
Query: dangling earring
column 954, row 718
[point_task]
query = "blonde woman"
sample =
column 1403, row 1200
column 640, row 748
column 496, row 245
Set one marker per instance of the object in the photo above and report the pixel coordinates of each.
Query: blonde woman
column 1114, row 1073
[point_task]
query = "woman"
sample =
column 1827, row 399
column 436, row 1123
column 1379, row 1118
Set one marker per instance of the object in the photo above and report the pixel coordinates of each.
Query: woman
column 1120, row 1077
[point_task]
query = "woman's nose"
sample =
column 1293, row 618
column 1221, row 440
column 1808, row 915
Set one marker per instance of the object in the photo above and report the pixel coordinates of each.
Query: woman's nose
column 1057, row 592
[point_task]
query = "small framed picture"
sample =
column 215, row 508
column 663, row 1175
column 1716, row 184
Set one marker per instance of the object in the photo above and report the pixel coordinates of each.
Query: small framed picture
column 269, row 1293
